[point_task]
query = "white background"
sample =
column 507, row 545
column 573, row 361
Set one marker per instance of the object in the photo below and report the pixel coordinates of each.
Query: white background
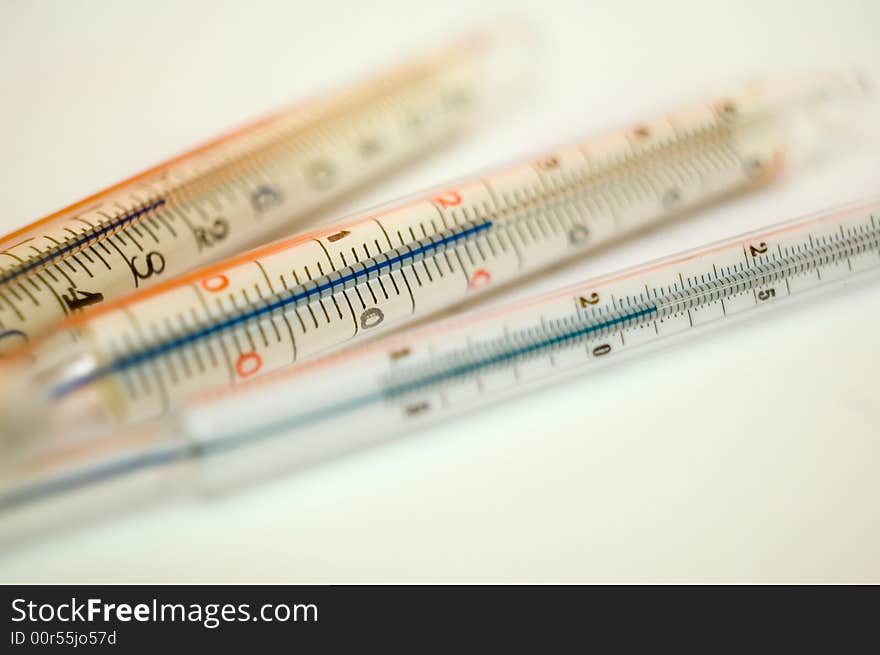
column 749, row 454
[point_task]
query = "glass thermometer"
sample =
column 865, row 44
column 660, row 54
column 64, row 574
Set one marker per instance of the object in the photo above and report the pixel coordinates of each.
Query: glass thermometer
column 404, row 382
column 282, row 303
column 241, row 189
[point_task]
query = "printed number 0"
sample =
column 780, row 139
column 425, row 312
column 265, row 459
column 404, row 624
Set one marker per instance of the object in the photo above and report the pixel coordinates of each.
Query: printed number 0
column 371, row 318
column 216, row 283
column 248, row 364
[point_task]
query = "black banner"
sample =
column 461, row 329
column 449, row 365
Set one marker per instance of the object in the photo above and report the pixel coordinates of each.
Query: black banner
column 413, row 618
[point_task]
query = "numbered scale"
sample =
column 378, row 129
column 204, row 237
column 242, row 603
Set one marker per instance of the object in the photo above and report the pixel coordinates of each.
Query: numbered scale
column 237, row 191
column 405, row 381
column 280, row 304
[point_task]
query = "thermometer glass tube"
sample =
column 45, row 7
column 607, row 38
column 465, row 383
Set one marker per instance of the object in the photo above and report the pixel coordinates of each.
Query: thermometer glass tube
column 280, row 304
column 242, row 189
column 403, row 382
